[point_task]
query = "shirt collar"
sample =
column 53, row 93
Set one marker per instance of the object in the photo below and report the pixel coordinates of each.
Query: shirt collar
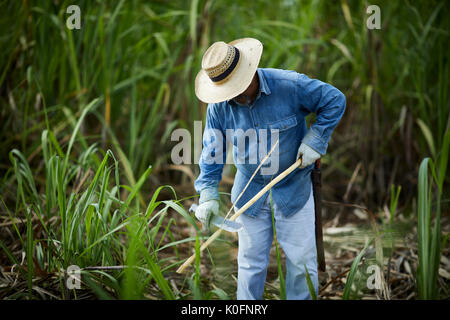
column 263, row 87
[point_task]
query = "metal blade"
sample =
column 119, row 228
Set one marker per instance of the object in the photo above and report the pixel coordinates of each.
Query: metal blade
column 220, row 222
column 225, row 224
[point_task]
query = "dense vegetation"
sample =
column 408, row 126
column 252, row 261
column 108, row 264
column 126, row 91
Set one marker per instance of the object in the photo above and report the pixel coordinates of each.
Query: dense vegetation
column 86, row 175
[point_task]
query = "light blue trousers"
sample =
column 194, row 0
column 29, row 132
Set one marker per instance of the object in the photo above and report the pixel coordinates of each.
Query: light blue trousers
column 295, row 234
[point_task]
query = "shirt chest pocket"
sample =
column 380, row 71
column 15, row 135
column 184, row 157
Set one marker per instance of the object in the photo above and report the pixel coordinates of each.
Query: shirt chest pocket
column 283, row 124
column 284, row 130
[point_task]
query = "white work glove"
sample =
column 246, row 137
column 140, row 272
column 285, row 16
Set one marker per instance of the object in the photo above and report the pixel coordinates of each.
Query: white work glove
column 308, row 154
column 205, row 211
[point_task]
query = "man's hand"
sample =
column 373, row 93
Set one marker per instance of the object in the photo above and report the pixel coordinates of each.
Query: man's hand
column 205, row 211
column 308, row 154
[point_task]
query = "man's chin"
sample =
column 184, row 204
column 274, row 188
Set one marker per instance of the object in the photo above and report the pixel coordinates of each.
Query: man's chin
column 243, row 102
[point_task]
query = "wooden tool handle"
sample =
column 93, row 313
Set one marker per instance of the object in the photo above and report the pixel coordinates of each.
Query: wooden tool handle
column 214, row 236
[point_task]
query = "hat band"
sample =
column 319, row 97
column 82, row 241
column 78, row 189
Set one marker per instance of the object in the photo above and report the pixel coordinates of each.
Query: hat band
column 230, row 69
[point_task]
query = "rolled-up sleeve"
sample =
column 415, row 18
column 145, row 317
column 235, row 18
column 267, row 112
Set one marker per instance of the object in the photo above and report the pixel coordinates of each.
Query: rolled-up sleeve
column 212, row 158
column 329, row 105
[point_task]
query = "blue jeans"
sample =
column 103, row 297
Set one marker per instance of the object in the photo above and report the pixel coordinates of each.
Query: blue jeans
column 295, row 234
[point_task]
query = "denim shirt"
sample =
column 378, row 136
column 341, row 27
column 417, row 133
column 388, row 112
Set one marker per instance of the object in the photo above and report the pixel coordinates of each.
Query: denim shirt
column 284, row 99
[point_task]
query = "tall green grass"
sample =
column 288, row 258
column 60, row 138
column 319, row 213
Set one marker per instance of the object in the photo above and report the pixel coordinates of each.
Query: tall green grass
column 125, row 80
column 429, row 235
column 353, row 271
column 141, row 58
column 86, row 222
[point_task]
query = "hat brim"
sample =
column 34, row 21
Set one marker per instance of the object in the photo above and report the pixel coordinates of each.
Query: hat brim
column 250, row 53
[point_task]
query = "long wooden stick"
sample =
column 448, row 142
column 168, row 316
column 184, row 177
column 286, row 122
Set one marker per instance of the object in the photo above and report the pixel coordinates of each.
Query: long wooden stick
column 216, row 234
column 251, row 178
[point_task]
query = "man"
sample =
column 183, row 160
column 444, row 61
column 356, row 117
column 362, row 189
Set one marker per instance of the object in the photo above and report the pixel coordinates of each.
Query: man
column 272, row 104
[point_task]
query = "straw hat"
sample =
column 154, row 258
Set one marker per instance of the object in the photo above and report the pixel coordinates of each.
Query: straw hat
column 227, row 69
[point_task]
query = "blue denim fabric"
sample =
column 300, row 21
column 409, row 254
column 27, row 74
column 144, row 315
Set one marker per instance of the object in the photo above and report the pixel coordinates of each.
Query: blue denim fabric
column 284, row 99
column 295, row 234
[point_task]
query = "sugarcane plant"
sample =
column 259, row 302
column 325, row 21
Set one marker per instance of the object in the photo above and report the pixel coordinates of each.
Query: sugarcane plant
column 430, row 190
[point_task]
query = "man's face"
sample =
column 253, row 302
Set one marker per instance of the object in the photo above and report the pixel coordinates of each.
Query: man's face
column 247, row 97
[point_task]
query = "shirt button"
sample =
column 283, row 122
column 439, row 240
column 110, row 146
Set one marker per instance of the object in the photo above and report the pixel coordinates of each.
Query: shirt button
column 256, row 124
